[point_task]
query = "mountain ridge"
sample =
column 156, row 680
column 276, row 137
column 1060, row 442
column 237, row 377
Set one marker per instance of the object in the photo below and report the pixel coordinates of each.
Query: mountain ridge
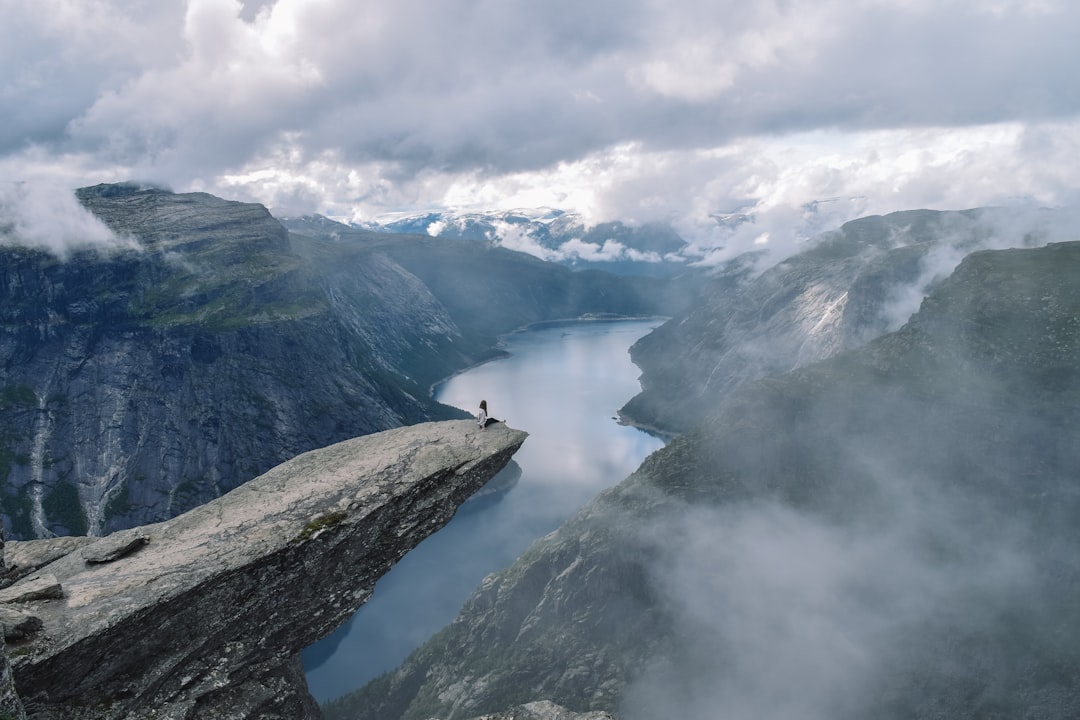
column 845, row 288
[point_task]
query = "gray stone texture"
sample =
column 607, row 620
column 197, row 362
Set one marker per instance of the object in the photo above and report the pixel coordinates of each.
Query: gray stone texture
column 207, row 617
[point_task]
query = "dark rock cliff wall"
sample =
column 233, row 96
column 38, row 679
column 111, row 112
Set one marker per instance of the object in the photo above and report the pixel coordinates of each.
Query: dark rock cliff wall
column 111, row 420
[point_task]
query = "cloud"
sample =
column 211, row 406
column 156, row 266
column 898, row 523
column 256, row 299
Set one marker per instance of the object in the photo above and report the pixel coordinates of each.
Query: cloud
column 517, row 237
column 60, row 57
column 634, row 109
column 783, row 614
column 610, row 251
column 50, row 218
column 1018, row 225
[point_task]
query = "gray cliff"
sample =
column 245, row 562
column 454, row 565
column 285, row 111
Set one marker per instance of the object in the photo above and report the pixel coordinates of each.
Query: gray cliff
column 203, row 615
column 139, row 383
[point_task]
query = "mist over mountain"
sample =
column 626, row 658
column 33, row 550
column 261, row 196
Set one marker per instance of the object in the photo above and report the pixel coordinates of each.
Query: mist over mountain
column 888, row 533
column 846, row 287
column 145, row 376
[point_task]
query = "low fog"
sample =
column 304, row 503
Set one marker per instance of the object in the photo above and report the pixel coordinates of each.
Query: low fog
column 891, row 533
column 992, row 228
column 783, row 615
column 48, row 217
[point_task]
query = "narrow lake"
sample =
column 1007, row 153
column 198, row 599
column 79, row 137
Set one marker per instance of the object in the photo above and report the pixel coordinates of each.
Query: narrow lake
column 562, row 384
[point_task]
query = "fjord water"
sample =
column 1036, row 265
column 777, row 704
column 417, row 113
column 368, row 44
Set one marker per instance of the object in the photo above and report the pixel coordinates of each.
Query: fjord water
column 562, row 384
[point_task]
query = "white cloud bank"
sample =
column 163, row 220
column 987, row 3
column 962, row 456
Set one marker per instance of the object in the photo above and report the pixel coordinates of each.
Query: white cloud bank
column 50, row 218
column 633, row 110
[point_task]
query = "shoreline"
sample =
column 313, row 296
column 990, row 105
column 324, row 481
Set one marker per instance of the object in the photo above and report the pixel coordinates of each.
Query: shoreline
column 497, row 353
column 662, row 435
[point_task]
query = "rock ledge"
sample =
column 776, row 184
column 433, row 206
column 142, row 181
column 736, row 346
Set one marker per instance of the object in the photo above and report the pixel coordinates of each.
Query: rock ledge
column 204, row 615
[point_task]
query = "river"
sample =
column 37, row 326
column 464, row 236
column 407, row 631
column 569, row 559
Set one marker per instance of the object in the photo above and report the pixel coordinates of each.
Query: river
column 562, row 383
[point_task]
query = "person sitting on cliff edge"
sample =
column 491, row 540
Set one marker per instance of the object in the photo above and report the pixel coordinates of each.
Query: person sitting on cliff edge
column 482, row 418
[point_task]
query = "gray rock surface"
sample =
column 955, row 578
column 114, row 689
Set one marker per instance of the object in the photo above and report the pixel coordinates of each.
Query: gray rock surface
column 18, row 624
column 43, row 586
column 10, row 705
column 115, row 546
column 207, row 617
column 545, row 710
column 24, row 557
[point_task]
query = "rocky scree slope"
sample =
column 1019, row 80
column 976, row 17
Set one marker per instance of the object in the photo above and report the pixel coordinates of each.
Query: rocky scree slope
column 203, row 615
column 889, row 533
column 847, row 287
column 140, row 382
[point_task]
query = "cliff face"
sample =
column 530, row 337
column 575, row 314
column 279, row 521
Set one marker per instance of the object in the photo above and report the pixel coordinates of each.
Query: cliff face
column 203, row 616
column 140, row 382
column 846, row 288
column 890, row 533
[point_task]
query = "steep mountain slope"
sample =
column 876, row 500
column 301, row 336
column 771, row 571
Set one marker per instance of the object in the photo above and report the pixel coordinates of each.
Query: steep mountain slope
column 848, row 287
column 890, row 533
column 139, row 382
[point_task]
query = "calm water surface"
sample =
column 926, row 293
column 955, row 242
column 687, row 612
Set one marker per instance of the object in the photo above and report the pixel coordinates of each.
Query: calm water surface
column 562, row 384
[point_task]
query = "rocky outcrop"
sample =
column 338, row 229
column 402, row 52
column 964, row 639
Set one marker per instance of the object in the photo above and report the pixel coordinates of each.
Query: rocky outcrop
column 203, row 616
column 890, row 533
column 544, row 710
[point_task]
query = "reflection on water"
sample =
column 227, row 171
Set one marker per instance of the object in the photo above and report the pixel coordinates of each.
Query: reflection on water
column 562, row 384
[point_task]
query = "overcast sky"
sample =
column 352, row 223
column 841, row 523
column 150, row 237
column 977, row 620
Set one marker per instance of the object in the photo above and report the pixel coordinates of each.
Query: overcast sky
column 620, row 109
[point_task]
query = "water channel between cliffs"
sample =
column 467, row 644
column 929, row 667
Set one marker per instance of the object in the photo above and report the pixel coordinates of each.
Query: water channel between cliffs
column 562, row 384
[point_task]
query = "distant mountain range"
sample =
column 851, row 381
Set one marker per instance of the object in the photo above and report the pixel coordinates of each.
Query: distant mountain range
column 546, row 233
column 565, row 237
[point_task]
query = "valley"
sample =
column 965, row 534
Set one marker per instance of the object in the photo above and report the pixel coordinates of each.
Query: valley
column 866, row 505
